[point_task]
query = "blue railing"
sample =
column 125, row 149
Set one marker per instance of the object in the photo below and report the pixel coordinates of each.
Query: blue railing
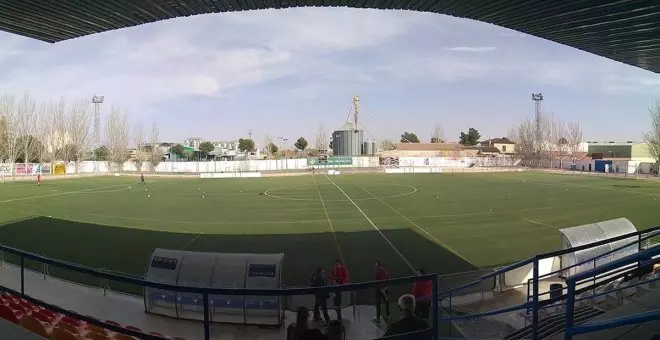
column 205, row 292
column 638, row 243
column 574, row 280
column 534, row 305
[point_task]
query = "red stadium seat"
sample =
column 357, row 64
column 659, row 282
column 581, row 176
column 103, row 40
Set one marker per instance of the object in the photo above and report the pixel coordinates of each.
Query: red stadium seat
column 62, row 334
column 72, row 321
column 9, row 315
column 18, row 308
column 42, row 317
column 69, row 327
column 36, row 326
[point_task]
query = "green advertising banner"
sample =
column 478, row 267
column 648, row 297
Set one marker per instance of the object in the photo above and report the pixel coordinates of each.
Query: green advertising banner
column 330, row 161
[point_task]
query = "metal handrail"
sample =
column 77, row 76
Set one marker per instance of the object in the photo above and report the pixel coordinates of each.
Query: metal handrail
column 618, row 289
column 570, row 296
column 489, row 313
column 214, row 291
column 636, row 242
column 597, row 243
column 487, row 276
column 553, row 254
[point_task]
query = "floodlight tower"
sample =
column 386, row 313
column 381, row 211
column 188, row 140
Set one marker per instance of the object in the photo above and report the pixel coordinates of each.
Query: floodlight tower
column 97, row 101
column 538, row 98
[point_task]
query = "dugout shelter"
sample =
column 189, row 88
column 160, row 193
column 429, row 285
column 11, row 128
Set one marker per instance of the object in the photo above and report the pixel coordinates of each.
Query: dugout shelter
column 594, row 232
column 215, row 270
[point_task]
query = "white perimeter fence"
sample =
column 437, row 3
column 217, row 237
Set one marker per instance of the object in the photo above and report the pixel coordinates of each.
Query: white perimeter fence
column 90, row 167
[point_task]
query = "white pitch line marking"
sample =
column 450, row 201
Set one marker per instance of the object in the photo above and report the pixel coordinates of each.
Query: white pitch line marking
column 60, row 193
column 433, row 238
column 191, row 241
column 327, row 216
column 540, row 223
column 373, row 225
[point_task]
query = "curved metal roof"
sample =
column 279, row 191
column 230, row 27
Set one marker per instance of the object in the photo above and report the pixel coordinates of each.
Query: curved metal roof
column 622, row 30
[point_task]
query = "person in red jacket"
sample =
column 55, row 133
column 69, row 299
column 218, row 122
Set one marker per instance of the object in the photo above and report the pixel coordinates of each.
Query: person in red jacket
column 339, row 277
column 423, row 292
column 382, row 293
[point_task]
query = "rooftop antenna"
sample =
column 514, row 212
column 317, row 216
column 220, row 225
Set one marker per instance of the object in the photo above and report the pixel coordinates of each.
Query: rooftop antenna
column 250, row 133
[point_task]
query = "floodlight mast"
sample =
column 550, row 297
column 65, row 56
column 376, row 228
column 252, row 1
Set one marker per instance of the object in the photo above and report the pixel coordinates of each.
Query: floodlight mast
column 538, row 98
column 97, row 101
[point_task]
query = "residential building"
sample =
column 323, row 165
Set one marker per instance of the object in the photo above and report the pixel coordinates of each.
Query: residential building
column 503, row 145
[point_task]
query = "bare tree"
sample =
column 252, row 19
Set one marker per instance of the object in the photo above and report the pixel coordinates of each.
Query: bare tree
column 26, row 129
column 117, row 137
column 156, row 155
column 652, row 138
column 524, row 135
column 270, row 148
column 574, row 140
column 557, row 139
column 9, row 144
column 43, row 125
column 60, row 136
column 387, row 144
column 321, row 138
column 140, row 155
column 78, row 129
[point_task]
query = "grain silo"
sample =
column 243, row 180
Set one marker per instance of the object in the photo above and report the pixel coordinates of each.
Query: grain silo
column 368, row 148
column 374, row 147
column 349, row 140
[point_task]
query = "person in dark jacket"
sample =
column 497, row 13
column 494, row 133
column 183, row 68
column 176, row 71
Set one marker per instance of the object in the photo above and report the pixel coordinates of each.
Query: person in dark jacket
column 320, row 299
column 409, row 322
column 301, row 330
column 382, row 293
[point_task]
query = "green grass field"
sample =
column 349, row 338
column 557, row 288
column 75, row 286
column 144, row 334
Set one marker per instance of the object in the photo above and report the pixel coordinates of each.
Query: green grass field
column 445, row 223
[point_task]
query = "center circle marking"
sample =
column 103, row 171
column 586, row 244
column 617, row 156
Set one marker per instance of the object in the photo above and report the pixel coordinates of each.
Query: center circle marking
column 411, row 190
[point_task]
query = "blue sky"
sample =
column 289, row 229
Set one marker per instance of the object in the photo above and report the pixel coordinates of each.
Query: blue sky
column 285, row 72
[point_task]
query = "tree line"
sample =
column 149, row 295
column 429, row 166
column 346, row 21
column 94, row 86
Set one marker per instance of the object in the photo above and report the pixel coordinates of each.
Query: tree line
column 44, row 132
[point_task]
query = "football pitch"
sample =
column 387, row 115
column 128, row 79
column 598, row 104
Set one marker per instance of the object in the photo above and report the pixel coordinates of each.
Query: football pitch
column 445, row 223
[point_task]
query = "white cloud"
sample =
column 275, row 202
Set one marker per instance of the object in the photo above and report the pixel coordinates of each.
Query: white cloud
column 471, row 49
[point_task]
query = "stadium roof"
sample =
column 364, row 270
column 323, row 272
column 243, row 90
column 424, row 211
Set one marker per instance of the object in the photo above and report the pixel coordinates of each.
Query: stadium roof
column 622, row 30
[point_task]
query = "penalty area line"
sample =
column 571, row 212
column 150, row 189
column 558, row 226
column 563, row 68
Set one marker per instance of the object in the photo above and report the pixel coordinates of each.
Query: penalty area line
column 396, row 250
column 433, row 238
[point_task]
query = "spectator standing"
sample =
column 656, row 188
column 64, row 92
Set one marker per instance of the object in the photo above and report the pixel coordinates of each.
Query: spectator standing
column 423, row 292
column 409, row 322
column 320, row 298
column 339, row 277
column 382, row 292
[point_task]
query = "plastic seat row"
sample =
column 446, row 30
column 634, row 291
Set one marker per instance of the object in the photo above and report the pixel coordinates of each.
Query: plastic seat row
column 56, row 326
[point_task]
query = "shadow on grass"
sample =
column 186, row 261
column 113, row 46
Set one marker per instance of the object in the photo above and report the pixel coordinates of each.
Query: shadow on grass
column 128, row 250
